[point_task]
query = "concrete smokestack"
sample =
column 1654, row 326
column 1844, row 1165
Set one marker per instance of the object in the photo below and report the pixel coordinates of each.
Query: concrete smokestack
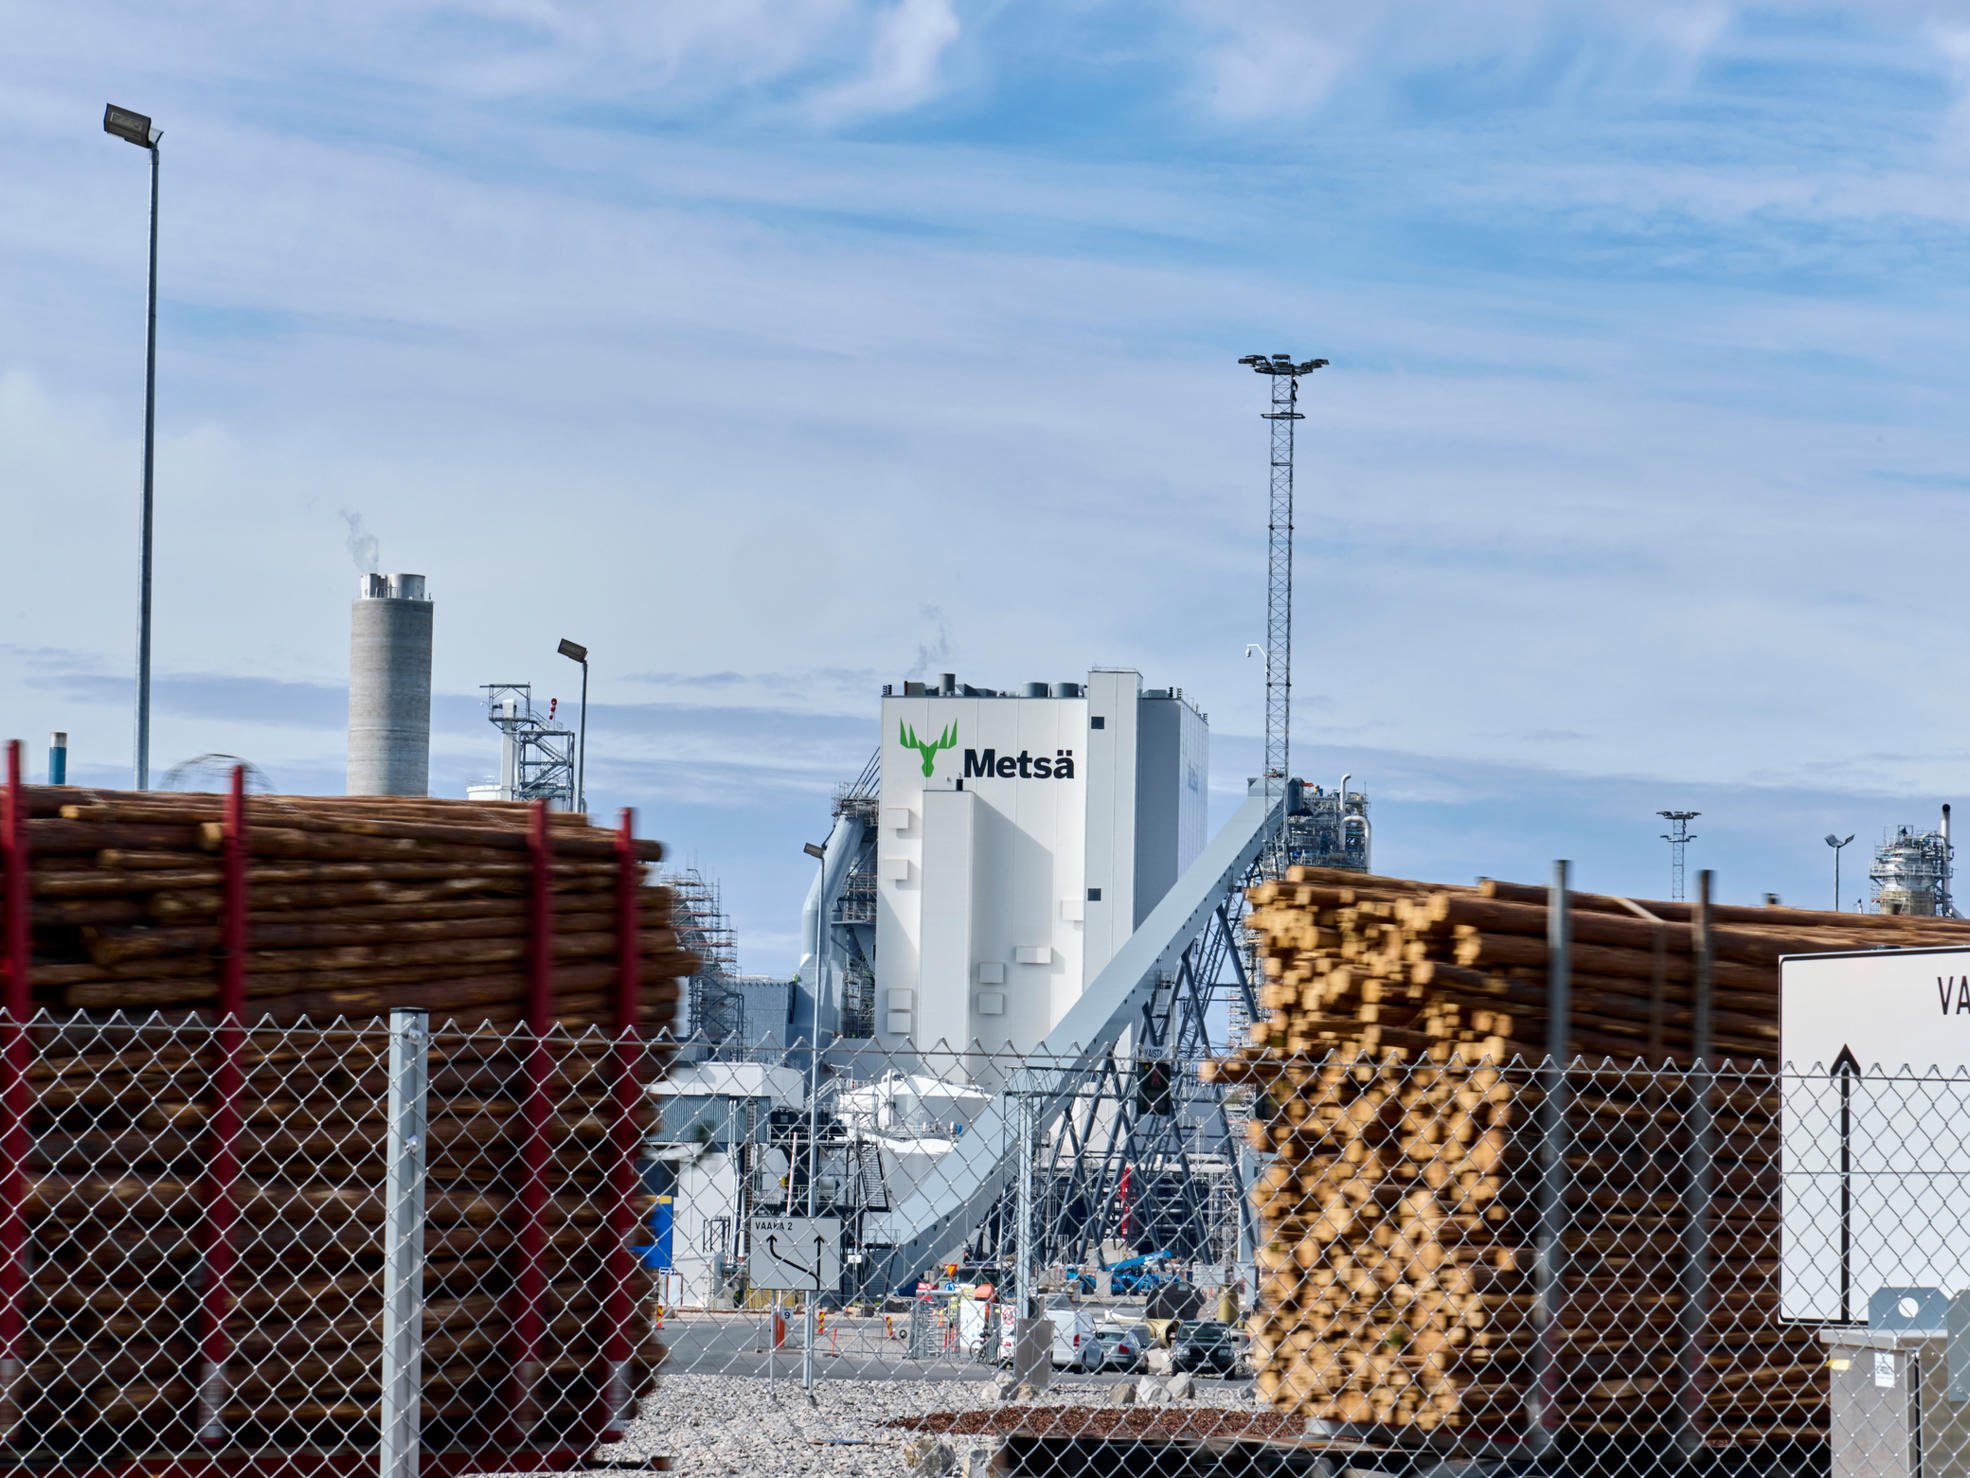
column 390, row 687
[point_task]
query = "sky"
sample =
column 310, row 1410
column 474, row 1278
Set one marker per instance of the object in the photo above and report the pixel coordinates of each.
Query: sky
column 777, row 349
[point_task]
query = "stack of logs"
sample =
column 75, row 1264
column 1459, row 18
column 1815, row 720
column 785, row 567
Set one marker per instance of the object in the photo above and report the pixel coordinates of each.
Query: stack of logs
column 354, row 906
column 1396, row 1083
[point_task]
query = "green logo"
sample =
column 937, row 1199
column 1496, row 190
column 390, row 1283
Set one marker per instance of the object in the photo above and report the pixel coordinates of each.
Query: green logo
column 929, row 751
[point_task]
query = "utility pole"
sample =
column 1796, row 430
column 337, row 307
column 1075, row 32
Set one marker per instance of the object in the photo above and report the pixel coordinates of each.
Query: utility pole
column 1285, row 373
column 1678, row 837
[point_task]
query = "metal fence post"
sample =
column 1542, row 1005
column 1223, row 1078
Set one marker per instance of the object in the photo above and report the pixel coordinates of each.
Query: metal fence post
column 1022, row 1278
column 403, row 1244
column 1695, row 1318
column 1551, row 1250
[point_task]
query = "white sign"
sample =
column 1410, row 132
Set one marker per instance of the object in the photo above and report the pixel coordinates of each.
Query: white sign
column 1875, row 1127
column 789, row 1252
column 1884, row 1371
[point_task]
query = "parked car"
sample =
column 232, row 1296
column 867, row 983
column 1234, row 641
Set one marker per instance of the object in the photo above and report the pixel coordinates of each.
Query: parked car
column 1076, row 1342
column 1124, row 1347
column 1075, row 1346
column 1205, row 1347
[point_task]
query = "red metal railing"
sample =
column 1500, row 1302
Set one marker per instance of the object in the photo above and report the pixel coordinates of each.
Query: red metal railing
column 618, row 1392
column 18, row 1005
column 530, row 1284
column 215, row 1344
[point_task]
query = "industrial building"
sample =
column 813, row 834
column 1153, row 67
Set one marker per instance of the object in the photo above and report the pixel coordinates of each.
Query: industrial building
column 1017, row 876
column 1911, row 871
column 1020, row 838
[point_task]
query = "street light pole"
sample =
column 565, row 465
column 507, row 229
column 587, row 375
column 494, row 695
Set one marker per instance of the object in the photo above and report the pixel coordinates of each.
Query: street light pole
column 807, row 1331
column 1836, row 843
column 137, row 129
column 576, row 652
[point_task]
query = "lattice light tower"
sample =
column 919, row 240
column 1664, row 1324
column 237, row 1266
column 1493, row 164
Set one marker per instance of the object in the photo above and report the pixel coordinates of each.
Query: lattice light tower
column 1678, row 837
column 1285, row 372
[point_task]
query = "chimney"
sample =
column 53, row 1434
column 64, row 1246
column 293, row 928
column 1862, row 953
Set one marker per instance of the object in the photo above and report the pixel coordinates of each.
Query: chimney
column 390, row 687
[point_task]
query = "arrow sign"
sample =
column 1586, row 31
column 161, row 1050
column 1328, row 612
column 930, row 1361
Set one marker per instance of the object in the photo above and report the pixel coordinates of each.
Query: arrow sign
column 1846, row 1067
column 780, row 1257
column 1874, row 1091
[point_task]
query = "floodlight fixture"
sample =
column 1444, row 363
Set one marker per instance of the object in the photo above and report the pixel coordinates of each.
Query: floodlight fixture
column 135, row 128
column 576, row 652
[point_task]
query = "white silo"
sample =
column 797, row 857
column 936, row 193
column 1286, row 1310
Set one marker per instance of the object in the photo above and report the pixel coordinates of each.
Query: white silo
column 390, row 687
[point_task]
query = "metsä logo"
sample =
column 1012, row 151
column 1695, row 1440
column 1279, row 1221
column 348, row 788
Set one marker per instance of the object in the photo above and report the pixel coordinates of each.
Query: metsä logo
column 929, row 751
column 988, row 764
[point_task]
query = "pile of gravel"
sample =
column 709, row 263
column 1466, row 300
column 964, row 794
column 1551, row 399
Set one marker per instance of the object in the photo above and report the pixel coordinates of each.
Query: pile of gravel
column 710, row 1425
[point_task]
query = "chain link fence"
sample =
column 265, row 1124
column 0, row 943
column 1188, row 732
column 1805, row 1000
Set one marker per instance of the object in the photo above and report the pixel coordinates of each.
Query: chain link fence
column 304, row 1250
column 291, row 1249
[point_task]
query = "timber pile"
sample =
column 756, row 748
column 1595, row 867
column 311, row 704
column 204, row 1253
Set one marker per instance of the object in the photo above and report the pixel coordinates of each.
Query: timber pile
column 356, row 905
column 1395, row 1085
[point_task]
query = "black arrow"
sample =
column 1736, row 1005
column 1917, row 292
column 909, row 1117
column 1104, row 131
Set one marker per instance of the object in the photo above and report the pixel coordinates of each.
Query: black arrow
column 1846, row 1068
column 773, row 1246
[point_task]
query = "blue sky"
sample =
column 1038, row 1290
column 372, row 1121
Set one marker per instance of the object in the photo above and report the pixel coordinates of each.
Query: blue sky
column 777, row 350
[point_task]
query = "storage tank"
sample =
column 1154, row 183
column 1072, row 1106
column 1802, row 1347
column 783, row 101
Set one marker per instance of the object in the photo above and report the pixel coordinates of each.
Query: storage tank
column 390, row 687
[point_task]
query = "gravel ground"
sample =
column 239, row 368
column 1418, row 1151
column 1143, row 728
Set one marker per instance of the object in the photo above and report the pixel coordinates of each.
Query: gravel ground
column 710, row 1426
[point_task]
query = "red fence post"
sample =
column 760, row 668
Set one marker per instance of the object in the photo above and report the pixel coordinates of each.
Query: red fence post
column 618, row 1393
column 14, row 1105
column 528, row 1323
column 215, row 1344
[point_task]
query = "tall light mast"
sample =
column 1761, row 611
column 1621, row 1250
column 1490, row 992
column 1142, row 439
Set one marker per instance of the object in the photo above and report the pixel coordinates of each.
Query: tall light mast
column 1678, row 837
column 1285, row 373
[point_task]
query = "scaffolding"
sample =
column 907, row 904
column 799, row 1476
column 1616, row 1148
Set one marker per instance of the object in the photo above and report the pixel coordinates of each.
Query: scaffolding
column 715, row 1004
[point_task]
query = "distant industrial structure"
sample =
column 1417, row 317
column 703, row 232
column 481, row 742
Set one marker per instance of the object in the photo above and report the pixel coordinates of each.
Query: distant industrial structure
column 1911, row 872
column 1018, row 876
column 390, row 687
column 536, row 755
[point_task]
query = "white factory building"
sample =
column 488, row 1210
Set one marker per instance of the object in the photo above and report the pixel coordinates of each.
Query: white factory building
column 1020, row 837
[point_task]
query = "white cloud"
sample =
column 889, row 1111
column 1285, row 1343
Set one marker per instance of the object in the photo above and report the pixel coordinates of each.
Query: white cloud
column 902, row 71
column 1282, row 59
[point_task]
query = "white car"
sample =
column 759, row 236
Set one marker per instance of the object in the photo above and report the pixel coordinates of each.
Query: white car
column 1076, row 1343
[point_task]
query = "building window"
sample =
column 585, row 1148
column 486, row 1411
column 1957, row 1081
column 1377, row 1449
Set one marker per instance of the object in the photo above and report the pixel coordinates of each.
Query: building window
column 1098, row 722
column 1094, row 895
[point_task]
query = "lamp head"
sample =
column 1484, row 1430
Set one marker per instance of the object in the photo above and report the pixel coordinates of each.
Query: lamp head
column 574, row 651
column 136, row 128
column 817, row 853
